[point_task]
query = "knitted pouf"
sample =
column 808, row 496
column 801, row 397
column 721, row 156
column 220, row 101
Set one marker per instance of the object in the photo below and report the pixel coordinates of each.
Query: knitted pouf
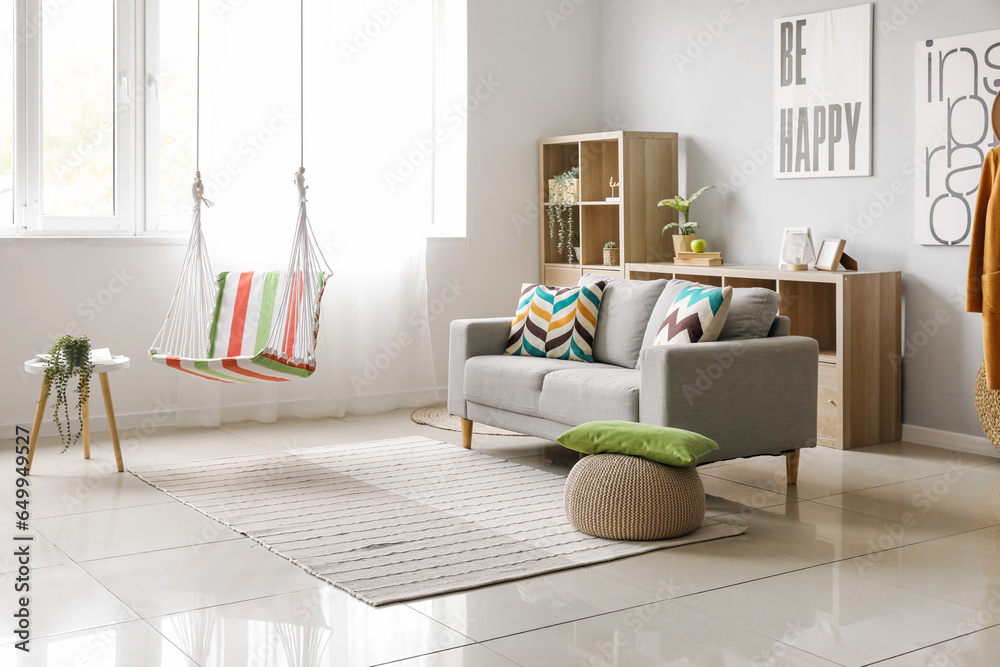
column 623, row 497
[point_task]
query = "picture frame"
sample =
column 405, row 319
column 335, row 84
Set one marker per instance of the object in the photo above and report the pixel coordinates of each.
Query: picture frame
column 830, row 252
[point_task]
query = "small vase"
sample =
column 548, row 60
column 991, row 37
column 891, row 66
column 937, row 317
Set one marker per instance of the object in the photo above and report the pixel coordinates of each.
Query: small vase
column 578, row 250
column 682, row 243
column 611, row 256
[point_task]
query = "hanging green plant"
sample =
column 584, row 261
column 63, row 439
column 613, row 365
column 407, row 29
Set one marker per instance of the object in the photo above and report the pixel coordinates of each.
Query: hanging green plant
column 68, row 357
column 562, row 198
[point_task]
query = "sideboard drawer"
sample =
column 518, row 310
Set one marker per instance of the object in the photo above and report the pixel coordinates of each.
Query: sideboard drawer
column 828, row 410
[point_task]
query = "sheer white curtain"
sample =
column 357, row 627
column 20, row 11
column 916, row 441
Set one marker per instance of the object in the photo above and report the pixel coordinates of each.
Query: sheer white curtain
column 368, row 108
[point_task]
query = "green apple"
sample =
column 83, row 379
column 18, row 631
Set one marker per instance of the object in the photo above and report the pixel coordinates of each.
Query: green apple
column 699, row 245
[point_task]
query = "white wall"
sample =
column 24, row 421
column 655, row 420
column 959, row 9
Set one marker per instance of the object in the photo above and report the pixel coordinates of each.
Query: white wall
column 116, row 293
column 46, row 284
column 546, row 60
column 721, row 105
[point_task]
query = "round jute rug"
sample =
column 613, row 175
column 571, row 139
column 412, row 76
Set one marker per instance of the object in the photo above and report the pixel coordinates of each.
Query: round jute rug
column 438, row 417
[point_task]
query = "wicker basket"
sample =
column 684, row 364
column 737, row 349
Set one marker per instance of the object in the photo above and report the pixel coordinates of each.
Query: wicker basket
column 611, row 257
column 621, row 497
column 988, row 407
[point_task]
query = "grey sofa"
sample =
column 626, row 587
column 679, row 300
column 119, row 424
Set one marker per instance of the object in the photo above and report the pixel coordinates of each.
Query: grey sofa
column 753, row 391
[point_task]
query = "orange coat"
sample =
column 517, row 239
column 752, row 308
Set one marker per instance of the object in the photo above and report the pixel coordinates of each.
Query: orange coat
column 982, row 294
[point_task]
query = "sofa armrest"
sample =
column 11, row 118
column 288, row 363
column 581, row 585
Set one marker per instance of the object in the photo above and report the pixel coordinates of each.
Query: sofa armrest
column 782, row 326
column 747, row 395
column 471, row 338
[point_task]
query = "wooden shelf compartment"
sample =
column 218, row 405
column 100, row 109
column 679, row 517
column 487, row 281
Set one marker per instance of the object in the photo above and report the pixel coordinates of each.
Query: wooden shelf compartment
column 550, row 247
column 739, row 281
column 650, row 175
column 812, row 308
column 714, row 281
column 557, row 159
column 599, row 162
column 598, row 225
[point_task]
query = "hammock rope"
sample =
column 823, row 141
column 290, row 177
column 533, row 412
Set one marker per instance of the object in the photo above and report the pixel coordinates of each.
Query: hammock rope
column 249, row 326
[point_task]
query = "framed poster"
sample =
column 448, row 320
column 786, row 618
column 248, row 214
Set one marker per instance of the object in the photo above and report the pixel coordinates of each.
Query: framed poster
column 957, row 81
column 823, row 94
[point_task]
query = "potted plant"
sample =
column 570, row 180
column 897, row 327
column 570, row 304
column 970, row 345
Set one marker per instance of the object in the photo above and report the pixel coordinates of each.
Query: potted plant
column 685, row 230
column 610, row 254
column 68, row 357
column 562, row 198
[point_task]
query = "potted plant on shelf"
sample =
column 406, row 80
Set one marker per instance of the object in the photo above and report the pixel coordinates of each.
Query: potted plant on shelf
column 685, row 230
column 611, row 254
column 69, row 357
column 562, row 198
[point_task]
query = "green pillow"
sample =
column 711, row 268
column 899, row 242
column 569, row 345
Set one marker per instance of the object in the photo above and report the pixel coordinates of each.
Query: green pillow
column 669, row 446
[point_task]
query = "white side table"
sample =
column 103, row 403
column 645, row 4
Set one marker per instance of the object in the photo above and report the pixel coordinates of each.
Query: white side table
column 37, row 367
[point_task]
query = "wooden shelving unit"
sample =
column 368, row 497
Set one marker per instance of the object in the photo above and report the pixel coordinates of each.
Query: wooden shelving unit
column 645, row 166
column 856, row 316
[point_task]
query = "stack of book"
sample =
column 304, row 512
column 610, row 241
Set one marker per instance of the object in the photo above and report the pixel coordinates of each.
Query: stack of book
column 698, row 259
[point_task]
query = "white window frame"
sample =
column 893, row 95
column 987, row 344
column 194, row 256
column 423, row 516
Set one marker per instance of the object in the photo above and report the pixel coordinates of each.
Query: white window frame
column 29, row 219
column 136, row 153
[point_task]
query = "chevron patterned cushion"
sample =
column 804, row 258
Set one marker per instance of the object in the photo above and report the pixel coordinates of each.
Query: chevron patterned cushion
column 556, row 322
column 697, row 315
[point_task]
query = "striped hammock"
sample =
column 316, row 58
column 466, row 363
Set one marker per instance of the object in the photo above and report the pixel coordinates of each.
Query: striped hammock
column 254, row 326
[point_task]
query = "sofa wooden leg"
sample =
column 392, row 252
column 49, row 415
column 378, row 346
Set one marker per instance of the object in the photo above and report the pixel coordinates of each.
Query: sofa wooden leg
column 792, row 466
column 467, row 433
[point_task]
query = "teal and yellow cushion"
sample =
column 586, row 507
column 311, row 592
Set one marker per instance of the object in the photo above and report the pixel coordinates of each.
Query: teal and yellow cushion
column 556, row 322
column 697, row 315
column 669, row 446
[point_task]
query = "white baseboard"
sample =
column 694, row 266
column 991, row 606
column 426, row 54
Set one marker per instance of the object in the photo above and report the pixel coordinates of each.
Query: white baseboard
column 167, row 416
column 959, row 442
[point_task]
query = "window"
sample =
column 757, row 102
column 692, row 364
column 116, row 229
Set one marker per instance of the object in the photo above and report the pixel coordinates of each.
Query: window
column 97, row 106
column 73, row 117
column 170, row 92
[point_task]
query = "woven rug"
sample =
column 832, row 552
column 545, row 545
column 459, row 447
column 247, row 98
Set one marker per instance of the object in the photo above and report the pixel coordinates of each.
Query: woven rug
column 400, row 519
column 439, row 417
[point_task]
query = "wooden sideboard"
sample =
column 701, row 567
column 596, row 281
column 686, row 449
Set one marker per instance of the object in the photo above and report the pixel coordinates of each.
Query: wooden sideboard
column 856, row 316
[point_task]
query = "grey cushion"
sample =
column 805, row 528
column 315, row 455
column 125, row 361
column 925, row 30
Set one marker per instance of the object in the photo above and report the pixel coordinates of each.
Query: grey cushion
column 510, row 382
column 751, row 313
column 622, row 319
column 575, row 396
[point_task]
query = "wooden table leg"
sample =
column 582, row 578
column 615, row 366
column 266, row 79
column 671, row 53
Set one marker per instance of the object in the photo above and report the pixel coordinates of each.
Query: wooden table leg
column 85, row 426
column 35, row 427
column 792, row 466
column 109, row 408
column 467, row 433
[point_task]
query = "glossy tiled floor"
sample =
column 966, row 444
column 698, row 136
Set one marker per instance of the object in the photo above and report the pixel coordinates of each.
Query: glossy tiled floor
column 888, row 555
